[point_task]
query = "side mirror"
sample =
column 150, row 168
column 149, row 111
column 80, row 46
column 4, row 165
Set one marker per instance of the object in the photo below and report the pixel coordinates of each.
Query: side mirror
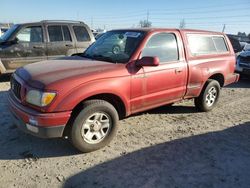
column 148, row 61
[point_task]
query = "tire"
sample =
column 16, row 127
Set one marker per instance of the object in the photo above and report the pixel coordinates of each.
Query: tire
column 209, row 96
column 95, row 126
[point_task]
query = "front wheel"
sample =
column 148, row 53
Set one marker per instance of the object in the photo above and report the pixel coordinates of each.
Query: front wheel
column 95, row 126
column 116, row 49
column 208, row 98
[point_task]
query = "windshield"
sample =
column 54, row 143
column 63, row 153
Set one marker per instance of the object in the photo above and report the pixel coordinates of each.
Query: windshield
column 8, row 33
column 115, row 46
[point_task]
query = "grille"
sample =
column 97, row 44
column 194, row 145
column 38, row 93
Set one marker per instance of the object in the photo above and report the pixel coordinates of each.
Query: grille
column 16, row 88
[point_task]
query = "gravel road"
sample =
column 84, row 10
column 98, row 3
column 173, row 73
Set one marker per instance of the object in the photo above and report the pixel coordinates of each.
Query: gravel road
column 171, row 146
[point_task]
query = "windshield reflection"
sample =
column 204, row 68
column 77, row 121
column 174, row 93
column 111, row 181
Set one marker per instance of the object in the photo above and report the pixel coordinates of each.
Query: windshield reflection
column 115, row 46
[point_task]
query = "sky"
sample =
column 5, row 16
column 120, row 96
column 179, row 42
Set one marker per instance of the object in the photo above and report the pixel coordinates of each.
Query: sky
column 112, row 14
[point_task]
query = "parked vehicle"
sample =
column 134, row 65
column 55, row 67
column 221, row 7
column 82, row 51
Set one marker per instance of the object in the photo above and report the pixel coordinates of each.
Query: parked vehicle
column 3, row 30
column 235, row 43
column 99, row 35
column 243, row 61
column 83, row 97
column 115, row 42
column 26, row 43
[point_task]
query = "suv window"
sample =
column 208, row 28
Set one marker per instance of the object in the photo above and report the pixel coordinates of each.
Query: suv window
column 206, row 45
column 81, row 33
column 220, row 44
column 66, row 33
column 59, row 33
column 163, row 46
column 30, row 34
column 55, row 33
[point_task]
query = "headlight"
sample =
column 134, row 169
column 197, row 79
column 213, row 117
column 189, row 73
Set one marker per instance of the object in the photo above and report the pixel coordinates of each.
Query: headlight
column 39, row 98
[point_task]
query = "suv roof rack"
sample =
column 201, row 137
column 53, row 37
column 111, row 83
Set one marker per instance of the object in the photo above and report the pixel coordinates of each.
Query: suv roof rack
column 69, row 21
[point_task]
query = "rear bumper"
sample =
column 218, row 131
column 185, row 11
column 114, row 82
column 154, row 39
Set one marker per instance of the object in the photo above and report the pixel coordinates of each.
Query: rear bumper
column 232, row 79
column 44, row 125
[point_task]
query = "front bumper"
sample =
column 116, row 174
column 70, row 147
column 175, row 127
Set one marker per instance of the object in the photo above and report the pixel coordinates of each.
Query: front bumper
column 242, row 67
column 44, row 125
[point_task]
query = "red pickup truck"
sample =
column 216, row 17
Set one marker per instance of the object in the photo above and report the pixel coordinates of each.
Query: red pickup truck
column 122, row 73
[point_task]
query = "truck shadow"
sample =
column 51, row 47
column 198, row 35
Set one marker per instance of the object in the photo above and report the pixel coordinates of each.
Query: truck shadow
column 17, row 145
column 216, row 159
column 176, row 109
column 244, row 82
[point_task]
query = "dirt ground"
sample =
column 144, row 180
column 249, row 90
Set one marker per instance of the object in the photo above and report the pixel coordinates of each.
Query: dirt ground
column 171, row 146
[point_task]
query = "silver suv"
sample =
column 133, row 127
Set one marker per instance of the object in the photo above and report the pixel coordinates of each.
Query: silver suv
column 31, row 42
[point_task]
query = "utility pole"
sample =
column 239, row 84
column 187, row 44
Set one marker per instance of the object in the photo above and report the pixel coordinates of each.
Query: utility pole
column 224, row 28
column 92, row 22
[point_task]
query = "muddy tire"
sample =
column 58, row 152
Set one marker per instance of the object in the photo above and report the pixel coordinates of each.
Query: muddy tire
column 95, row 126
column 209, row 96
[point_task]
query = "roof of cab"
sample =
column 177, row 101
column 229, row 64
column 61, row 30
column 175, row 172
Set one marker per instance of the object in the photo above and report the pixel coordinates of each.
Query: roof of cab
column 53, row 21
column 168, row 29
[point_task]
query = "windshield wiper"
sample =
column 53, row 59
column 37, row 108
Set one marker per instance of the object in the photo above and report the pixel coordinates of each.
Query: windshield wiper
column 86, row 55
column 104, row 58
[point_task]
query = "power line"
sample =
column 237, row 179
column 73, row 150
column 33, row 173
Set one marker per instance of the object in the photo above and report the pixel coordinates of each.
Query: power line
column 176, row 11
column 203, row 7
column 202, row 11
column 212, row 17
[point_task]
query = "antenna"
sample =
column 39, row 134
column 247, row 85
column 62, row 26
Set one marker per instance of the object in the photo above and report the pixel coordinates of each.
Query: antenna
column 224, row 28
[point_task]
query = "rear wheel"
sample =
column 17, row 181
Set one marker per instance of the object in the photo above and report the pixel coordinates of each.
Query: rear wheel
column 116, row 49
column 95, row 126
column 208, row 97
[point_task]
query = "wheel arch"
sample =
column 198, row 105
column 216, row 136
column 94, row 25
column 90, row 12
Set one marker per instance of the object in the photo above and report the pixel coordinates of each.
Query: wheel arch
column 219, row 78
column 113, row 99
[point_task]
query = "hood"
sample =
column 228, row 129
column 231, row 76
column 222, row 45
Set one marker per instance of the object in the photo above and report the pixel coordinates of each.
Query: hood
column 245, row 54
column 45, row 73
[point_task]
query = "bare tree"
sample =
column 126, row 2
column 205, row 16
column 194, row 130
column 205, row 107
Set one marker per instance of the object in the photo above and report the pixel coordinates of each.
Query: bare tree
column 145, row 23
column 242, row 34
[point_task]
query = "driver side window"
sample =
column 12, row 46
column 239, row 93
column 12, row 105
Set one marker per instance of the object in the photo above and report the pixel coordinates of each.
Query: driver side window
column 163, row 46
column 30, row 34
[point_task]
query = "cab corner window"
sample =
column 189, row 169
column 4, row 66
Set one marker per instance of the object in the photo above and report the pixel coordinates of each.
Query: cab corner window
column 206, row 44
column 81, row 33
column 163, row 46
column 220, row 44
column 30, row 34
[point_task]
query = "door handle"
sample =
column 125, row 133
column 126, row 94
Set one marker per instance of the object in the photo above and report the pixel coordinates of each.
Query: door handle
column 69, row 45
column 178, row 70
